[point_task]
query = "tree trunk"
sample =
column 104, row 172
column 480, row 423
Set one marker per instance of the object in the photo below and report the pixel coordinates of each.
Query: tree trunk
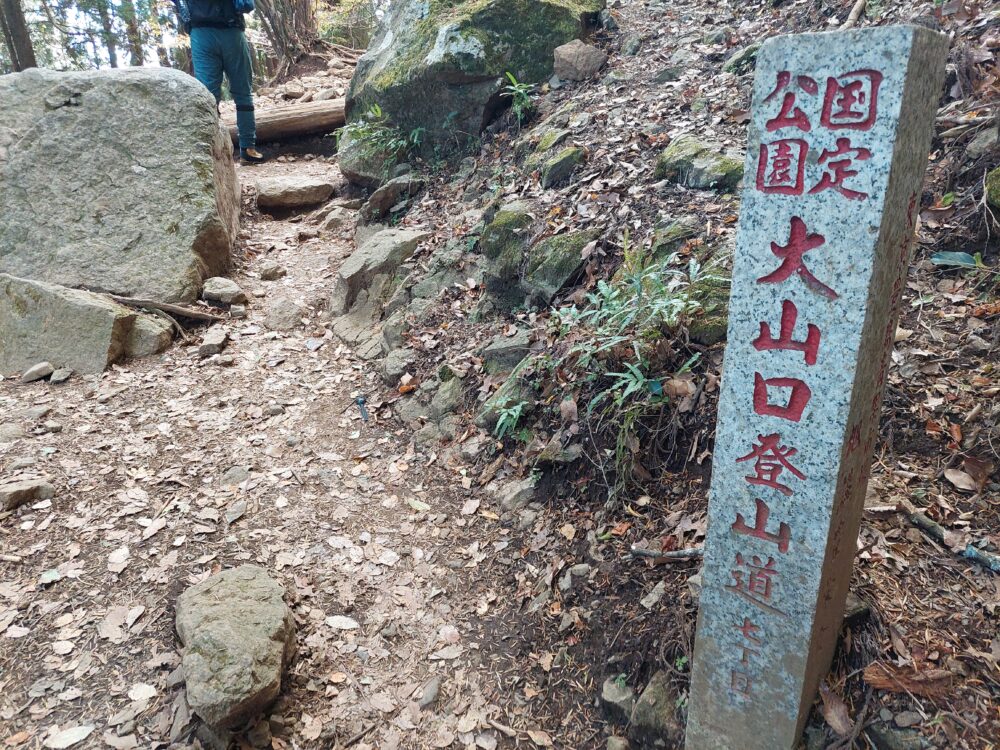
column 290, row 26
column 133, row 33
column 109, row 32
column 293, row 120
column 15, row 32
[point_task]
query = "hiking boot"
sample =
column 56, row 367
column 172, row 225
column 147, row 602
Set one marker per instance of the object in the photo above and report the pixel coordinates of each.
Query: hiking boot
column 251, row 156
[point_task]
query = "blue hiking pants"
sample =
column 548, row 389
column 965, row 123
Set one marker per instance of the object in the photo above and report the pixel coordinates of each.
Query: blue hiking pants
column 217, row 51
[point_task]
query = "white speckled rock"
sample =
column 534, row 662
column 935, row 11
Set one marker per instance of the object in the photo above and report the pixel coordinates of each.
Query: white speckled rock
column 839, row 134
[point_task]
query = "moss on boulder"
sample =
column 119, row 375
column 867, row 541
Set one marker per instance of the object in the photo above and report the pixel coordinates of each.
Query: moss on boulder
column 561, row 166
column 553, row 262
column 993, row 188
column 440, row 65
column 689, row 162
column 708, row 326
column 504, row 242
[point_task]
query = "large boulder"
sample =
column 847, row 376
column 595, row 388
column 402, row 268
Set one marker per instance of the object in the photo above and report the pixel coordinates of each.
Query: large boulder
column 67, row 327
column 441, row 65
column 115, row 180
column 238, row 636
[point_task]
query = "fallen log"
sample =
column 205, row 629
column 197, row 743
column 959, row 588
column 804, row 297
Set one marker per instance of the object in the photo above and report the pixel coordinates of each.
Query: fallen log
column 293, row 120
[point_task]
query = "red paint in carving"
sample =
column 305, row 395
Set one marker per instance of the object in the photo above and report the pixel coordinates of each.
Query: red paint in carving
column 796, row 403
column 759, row 529
column 753, row 581
column 789, row 314
column 771, row 460
column 790, row 115
column 839, row 169
column 851, row 100
column 800, row 241
column 781, row 166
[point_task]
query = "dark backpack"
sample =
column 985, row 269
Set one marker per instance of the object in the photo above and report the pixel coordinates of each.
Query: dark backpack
column 243, row 6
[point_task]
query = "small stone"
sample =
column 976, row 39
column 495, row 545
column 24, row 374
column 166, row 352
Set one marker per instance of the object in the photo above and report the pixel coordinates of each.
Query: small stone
column 617, row 700
column 271, row 271
column 504, row 353
column 430, row 691
column 607, row 20
column 447, row 398
column 275, row 409
column 985, row 140
column 631, row 45
column 396, row 363
column 238, row 636
column 235, row 476
column 213, row 342
column 37, row 372
column 221, row 289
column 226, row 360
column 52, row 427
column 617, row 743
column 283, row 315
column 694, row 587
column 742, row 61
column 578, row 61
column 669, row 74
column 61, row 375
column 906, row 719
column 337, row 218
column 688, row 161
column 237, row 311
column 14, row 494
column 654, row 718
column 149, row 335
column 651, row 599
column 561, row 166
column 515, row 495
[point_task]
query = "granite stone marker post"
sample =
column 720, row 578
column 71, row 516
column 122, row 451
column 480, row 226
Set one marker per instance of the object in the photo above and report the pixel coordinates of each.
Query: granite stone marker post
column 841, row 125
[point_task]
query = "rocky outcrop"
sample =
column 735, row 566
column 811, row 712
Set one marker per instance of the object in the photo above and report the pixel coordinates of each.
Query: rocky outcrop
column 689, row 162
column 238, row 637
column 441, row 66
column 66, row 327
column 380, row 255
column 115, row 180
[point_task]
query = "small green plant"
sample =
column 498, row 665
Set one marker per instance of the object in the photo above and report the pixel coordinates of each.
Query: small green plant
column 522, row 102
column 377, row 136
column 509, row 416
column 621, row 680
column 680, row 663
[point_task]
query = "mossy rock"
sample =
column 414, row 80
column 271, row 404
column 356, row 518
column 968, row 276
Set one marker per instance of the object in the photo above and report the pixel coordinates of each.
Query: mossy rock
column 441, row 65
column 669, row 236
column 553, row 262
column 504, row 242
column 742, row 61
column 561, row 166
column 689, row 162
column 993, row 188
column 362, row 162
column 514, row 390
column 708, row 326
column 551, row 138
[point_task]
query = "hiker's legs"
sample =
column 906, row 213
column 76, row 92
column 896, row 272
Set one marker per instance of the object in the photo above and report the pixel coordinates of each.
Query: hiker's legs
column 206, row 57
column 239, row 70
